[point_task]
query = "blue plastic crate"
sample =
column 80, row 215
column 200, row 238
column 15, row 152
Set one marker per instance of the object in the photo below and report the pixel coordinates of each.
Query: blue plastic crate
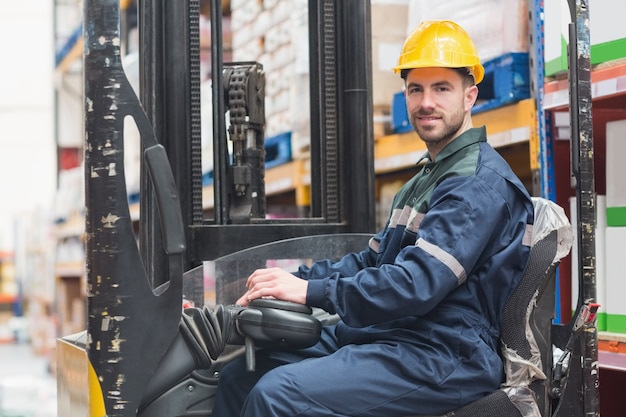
column 507, row 80
column 399, row 116
column 207, row 178
column 277, row 150
column 133, row 198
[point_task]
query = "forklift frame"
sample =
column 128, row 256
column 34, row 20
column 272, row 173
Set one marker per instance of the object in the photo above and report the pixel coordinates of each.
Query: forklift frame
column 133, row 285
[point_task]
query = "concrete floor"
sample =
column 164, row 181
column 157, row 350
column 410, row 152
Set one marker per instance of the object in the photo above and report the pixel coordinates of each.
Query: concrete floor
column 27, row 388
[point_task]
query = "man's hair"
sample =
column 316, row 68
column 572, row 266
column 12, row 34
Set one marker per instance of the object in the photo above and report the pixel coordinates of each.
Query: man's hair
column 466, row 75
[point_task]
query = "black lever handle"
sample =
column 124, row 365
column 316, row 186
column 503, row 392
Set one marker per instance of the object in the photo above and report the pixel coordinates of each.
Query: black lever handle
column 167, row 197
column 276, row 323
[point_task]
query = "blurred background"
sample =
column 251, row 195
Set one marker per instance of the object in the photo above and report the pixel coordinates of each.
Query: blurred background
column 28, row 166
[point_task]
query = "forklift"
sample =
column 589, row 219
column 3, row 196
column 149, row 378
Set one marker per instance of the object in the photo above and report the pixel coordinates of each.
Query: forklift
column 152, row 348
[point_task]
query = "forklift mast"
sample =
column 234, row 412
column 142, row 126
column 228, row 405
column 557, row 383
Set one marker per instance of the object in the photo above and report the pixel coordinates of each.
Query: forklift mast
column 341, row 146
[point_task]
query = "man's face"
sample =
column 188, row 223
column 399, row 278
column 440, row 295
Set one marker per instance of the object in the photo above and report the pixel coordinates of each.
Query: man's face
column 438, row 104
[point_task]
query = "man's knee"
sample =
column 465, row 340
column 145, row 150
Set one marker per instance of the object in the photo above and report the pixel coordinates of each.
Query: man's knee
column 268, row 386
column 270, row 396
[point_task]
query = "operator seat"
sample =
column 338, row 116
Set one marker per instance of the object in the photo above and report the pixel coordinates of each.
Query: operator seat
column 525, row 343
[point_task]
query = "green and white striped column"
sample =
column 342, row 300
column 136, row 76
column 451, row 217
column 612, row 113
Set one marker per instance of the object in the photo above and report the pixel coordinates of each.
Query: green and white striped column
column 615, row 235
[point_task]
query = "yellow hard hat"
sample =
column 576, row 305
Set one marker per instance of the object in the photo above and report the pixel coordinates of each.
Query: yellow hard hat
column 440, row 43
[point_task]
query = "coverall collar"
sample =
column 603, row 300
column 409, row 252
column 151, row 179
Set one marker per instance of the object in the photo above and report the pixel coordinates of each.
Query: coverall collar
column 469, row 137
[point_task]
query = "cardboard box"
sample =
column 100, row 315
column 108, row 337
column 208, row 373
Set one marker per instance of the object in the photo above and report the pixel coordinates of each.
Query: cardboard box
column 283, row 51
column 496, row 26
column 389, row 30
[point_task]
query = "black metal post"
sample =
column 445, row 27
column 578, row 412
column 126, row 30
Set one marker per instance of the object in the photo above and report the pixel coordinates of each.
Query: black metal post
column 325, row 191
column 130, row 322
column 220, row 149
column 583, row 172
column 356, row 109
column 342, row 145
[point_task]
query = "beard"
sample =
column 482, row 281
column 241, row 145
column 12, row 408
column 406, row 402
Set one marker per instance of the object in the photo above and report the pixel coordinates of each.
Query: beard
column 438, row 135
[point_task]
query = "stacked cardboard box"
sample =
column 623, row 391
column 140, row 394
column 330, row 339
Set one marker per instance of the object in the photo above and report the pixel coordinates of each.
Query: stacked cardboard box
column 389, row 30
column 497, row 27
column 275, row 33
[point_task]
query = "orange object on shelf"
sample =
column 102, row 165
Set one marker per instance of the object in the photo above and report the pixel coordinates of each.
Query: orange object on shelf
column 6, row 298
column 612, row 345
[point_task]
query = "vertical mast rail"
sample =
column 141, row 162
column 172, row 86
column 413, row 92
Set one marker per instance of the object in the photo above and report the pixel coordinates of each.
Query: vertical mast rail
column 126, row 313
column 583, row 172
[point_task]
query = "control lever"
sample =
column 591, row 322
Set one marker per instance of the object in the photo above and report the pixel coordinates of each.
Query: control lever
column 264, row 323
column 585, row 318
column 275, row 323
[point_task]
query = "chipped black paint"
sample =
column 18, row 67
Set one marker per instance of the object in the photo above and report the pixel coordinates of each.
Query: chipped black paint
column 129, row 325
column 583, row 171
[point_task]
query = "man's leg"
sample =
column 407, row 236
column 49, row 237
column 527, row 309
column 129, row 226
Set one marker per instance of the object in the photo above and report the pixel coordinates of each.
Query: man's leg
column 233, row 386
column 358, row 380
column 235, row 381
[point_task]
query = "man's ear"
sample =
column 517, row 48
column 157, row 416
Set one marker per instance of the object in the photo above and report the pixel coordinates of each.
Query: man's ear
column 471, row 94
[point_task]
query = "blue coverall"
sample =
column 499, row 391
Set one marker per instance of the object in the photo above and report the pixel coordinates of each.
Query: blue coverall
column 420, row 308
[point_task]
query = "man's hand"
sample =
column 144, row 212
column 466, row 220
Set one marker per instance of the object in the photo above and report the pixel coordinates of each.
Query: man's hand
column 274, row 282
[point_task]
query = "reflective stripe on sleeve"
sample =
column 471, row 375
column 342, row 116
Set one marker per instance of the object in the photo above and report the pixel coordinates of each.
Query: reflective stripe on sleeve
column 408, row 217
column 445, row 258
column 399, row 217
column 415, row 219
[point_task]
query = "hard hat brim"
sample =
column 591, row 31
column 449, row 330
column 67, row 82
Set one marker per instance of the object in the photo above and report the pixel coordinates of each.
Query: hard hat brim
column 478, row 71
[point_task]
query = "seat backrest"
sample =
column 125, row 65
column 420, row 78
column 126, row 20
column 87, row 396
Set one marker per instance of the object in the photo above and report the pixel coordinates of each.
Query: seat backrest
column 526, row 322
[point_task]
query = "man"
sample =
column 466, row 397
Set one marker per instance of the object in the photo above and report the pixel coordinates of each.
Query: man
column 420, row 308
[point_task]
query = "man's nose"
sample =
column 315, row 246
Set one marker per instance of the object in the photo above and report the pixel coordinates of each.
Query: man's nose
column 428, row 100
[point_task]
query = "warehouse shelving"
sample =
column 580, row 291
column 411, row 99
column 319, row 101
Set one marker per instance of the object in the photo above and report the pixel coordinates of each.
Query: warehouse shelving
column 608, row 88
column 608, row 91
column 510, row 129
